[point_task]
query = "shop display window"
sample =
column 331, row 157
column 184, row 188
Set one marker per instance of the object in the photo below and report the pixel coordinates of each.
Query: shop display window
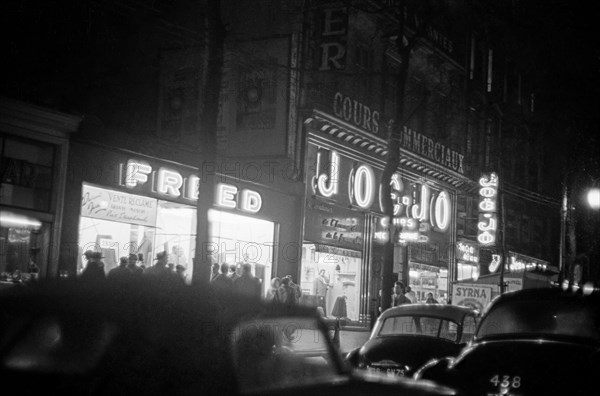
column 341, row 272
column 118, row 223
column 24, row 245
column 237, row 239
column 159, row 226
column 466, row 271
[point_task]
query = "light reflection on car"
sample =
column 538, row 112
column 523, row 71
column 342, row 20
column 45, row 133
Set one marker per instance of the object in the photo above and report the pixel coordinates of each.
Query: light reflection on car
column 530, row 342
column 407, row 336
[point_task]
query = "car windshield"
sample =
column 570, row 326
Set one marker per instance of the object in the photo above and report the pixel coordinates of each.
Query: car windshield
column 419, row 325
column 562, row 318
column 280, row 352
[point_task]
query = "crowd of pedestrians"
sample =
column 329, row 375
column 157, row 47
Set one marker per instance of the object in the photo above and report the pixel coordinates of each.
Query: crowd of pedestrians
column 225, row 277
column 130, row 268
column 239, row 279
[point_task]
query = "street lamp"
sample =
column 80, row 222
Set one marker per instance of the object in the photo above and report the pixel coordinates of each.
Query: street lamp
column 593, row 197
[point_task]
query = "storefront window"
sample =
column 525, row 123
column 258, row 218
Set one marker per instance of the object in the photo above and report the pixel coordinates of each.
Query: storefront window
column 26, row 173
column 24, row 244
column 331, row 278
column 239, row 239
column 118, row 224
column 466, row 271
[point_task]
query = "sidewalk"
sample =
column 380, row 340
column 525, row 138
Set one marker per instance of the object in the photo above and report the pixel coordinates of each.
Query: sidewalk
column 354, row 338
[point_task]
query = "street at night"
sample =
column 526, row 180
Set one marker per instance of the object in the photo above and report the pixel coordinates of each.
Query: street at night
column 352, row 197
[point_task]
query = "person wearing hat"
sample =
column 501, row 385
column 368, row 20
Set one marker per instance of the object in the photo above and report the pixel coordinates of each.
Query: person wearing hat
column 94, row 270
column 132, row 265
column 160, row 271
column 121, row 272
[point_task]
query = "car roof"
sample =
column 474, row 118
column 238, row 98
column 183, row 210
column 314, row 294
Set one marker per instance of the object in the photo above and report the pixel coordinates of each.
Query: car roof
column 453, row 312
column 546, row 293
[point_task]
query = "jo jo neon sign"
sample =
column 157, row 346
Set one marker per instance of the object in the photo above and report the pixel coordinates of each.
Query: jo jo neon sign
column 171, row 183
column 410, row 209
column 488, row 221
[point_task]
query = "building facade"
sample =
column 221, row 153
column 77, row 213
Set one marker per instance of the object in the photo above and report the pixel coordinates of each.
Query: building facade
column 307, row 97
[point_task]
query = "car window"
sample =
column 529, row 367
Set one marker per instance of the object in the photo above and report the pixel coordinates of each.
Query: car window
column 399, row 325
column 469, row 327
column 280, row 352
column 541, row 317
column 419, row 325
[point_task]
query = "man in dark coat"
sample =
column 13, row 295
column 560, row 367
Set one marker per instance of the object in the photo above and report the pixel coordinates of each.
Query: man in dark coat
column 120, row 273
column 398, row 297
column 247, row 284
column 222, row 281
column 94, row 270
column 132, row 265
column 160, row 271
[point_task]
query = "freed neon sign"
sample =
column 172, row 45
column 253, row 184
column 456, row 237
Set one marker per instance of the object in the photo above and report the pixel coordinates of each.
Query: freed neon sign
column 170, row 183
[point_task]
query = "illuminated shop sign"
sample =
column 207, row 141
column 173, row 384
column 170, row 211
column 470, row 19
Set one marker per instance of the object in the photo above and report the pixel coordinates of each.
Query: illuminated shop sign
column 467, row 252
column 518, row 263
column 170, row 183
column 417, row 207
column 362, row 116
column 330, row 225
column 488, row 219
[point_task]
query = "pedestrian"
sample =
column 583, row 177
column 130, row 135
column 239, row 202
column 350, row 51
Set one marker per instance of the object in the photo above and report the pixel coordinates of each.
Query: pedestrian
column 132, row 265
column 320, row 287
column 222, row 281
column 120, row 273
column 297, row 289
column 237, row 271
column 272, row 294
column 232, row 271
column 159, row 271
column 180, row 272
column 247, row 284
column 398, row 297
column 140, row 261
column 410, row 294
column 214, row 271
column 286, row 293
column 94, row 270
column 430, row 299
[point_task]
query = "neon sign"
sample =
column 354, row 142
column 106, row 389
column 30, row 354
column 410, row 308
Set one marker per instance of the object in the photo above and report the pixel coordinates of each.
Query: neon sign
column 171, row 183
column 416, row 206
column 488, row 221
column 467, row 252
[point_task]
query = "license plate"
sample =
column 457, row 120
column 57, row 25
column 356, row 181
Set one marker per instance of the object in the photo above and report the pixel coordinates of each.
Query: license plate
column 392, row 372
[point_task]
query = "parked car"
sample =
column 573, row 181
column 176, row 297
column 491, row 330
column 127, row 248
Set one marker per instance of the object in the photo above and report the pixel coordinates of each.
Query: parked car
column 407, row 336
column 71, row 337
column 529, row 342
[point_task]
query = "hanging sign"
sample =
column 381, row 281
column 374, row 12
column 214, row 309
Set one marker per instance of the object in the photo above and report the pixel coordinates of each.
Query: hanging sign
column 488, row 219
column 471, row 295
column 467, row 252
column 101, row 203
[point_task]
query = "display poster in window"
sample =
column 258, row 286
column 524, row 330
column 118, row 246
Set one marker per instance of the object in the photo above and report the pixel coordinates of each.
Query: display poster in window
column 330, row 225
column 104, row 204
